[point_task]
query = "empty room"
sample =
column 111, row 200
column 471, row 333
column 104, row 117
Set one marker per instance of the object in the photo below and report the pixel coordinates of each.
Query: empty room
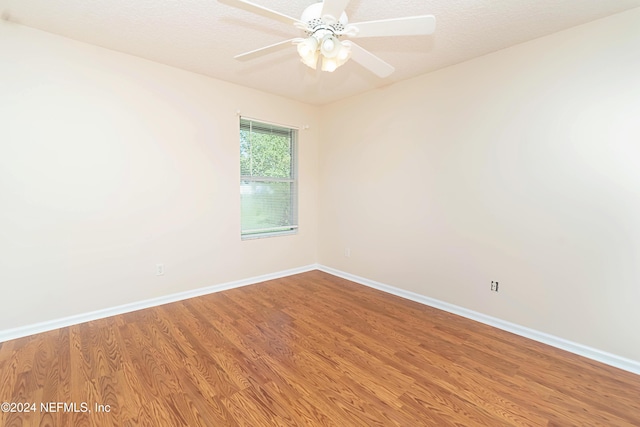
column 302, row 213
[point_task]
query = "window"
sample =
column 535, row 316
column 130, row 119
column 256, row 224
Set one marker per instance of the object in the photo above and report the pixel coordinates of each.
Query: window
column 268, row 181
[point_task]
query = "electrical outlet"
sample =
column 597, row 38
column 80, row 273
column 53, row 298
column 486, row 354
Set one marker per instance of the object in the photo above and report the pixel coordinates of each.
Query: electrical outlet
column 347, row 252
column 159, row 269
column 494, row 285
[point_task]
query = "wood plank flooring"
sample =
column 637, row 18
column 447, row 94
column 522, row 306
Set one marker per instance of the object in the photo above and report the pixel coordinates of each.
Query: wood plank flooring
column 311, row 350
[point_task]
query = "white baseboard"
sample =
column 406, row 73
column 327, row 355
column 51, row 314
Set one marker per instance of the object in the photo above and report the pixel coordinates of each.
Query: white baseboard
column 582, row 350
column 23, row 331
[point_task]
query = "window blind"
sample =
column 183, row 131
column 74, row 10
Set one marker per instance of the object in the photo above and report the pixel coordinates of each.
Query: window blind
column 268, row 181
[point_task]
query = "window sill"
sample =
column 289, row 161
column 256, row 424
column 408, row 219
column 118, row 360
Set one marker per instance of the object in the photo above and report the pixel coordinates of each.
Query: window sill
column 267, row 235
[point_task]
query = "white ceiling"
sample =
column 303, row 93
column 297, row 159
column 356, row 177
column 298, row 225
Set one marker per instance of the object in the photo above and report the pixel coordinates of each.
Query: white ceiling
column 203, row 35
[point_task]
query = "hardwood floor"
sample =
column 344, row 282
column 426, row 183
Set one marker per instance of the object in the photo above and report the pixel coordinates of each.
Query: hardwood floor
column 310, row 349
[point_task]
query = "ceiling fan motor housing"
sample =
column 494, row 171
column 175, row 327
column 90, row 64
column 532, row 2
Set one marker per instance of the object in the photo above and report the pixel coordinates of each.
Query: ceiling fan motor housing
column 312, row 16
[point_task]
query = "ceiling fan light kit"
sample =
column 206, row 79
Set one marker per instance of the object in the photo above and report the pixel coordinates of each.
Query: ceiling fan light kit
column 334, row 52
column 323, row 32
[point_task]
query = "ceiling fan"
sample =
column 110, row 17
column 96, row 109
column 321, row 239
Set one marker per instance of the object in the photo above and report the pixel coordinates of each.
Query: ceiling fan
column 324, row 24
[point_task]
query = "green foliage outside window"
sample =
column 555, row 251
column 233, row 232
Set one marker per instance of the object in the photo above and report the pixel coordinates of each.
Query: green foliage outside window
column 265, row 155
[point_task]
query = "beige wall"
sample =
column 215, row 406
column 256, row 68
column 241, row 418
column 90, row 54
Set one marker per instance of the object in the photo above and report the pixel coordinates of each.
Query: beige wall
column 520, row 166
column 110, row 164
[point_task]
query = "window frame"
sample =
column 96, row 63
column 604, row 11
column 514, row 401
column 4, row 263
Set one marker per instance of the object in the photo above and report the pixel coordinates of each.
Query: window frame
column 293, row 134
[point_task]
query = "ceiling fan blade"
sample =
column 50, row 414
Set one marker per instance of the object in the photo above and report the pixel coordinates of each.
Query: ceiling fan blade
column 410, row 26
column 260, row 10
column 334, row 8
column 247, row 56
column 369, row 61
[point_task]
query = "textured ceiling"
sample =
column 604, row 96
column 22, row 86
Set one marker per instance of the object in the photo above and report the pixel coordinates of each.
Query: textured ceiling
column 203, row 35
